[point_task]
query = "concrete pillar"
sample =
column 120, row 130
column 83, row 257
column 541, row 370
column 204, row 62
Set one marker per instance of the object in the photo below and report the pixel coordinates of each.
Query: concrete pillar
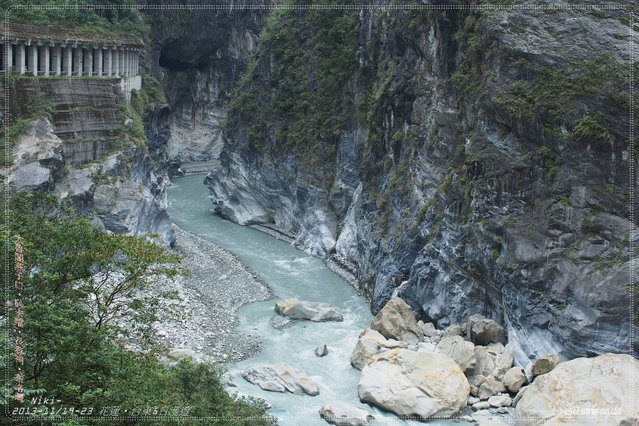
column 33, row 59
column 56, row 60
column 136, row 62
column 21, row 56
column 88, row 61
column 116, row 62
column 108, row 62
column 7, row 57
column 77, row 61
column 67, row 60
column 98, row 62
column 43, row 65
column 121, row 69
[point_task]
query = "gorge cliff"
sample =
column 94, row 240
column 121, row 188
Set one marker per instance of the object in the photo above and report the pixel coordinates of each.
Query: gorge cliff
column 469, row 161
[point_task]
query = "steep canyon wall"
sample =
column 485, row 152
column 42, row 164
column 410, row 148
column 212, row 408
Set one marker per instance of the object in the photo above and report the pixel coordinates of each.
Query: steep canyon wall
column 469, row 161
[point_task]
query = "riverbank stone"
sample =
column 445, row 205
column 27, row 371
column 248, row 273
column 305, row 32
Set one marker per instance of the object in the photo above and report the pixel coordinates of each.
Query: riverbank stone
column 370, row 343
column 544, row 365
column 483, row 331
column 281, row 377
column 321, row 351
column 460, row 350
column 342, row 414
column 580, row 390
column 514, row 379
column 396, row 320
column 416, row 384
column 305, row 310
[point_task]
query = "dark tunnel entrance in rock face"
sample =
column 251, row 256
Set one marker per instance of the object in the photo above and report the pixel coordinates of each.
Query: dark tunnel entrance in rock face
column 166, row 61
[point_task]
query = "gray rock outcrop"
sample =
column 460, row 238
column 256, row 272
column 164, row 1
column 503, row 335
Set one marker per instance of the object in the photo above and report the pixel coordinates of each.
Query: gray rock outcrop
column 75, row 157
column 482, row 172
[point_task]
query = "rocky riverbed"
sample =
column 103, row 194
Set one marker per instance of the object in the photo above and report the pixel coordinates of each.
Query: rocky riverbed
column 466, row 372
column 198, row 313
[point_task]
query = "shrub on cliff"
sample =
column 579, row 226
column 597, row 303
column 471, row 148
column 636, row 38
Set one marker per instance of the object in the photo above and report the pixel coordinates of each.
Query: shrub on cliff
column 113, row 16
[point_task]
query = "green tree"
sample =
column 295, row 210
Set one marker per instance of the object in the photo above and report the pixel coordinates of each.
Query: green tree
column 77, row 280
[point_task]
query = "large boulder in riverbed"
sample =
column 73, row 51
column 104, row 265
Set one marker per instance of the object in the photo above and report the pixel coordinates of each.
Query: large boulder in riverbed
column 514, row 379
column 483, row 331
column 302, row 309
column 583, row 391
column 281, row 378
column 460, row 350
column 544, row 364
column 368, row 345
column 493, row 360
column 416, row 384
column 342, row 414
column 397, row 321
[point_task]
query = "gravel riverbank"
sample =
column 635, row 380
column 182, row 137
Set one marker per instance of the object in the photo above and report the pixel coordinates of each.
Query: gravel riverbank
column 204, row 316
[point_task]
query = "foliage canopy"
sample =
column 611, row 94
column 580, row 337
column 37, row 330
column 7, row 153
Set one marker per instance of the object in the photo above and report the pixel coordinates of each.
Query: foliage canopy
column 77, row 281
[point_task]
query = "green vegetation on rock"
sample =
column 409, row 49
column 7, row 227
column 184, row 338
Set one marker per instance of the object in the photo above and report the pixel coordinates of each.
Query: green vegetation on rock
column 299, row 105
column 72, row 341
column 113, row 17
column 38, row 107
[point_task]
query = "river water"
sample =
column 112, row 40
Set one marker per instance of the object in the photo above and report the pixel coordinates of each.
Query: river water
column 289, row 273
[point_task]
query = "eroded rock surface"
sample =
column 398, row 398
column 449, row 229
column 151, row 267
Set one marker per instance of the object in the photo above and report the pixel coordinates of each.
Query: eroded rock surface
column 281, row 378
column 396, row 320
column 342, row 414
column 583, row 391
column 305, row 310
column 418, row 384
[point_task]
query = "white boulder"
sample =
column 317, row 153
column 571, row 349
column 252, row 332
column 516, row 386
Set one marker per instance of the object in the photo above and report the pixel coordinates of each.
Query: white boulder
column 583, row 389
column 342, row 414
column 415, row 384
column 369, row 344
column 305, row 310
column 397, row 321
column 281, row 378
column 460, row 350
column 514, row 379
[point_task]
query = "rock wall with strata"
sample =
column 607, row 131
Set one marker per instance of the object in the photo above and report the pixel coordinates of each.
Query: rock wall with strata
column 86, row 155
column 481, row 165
